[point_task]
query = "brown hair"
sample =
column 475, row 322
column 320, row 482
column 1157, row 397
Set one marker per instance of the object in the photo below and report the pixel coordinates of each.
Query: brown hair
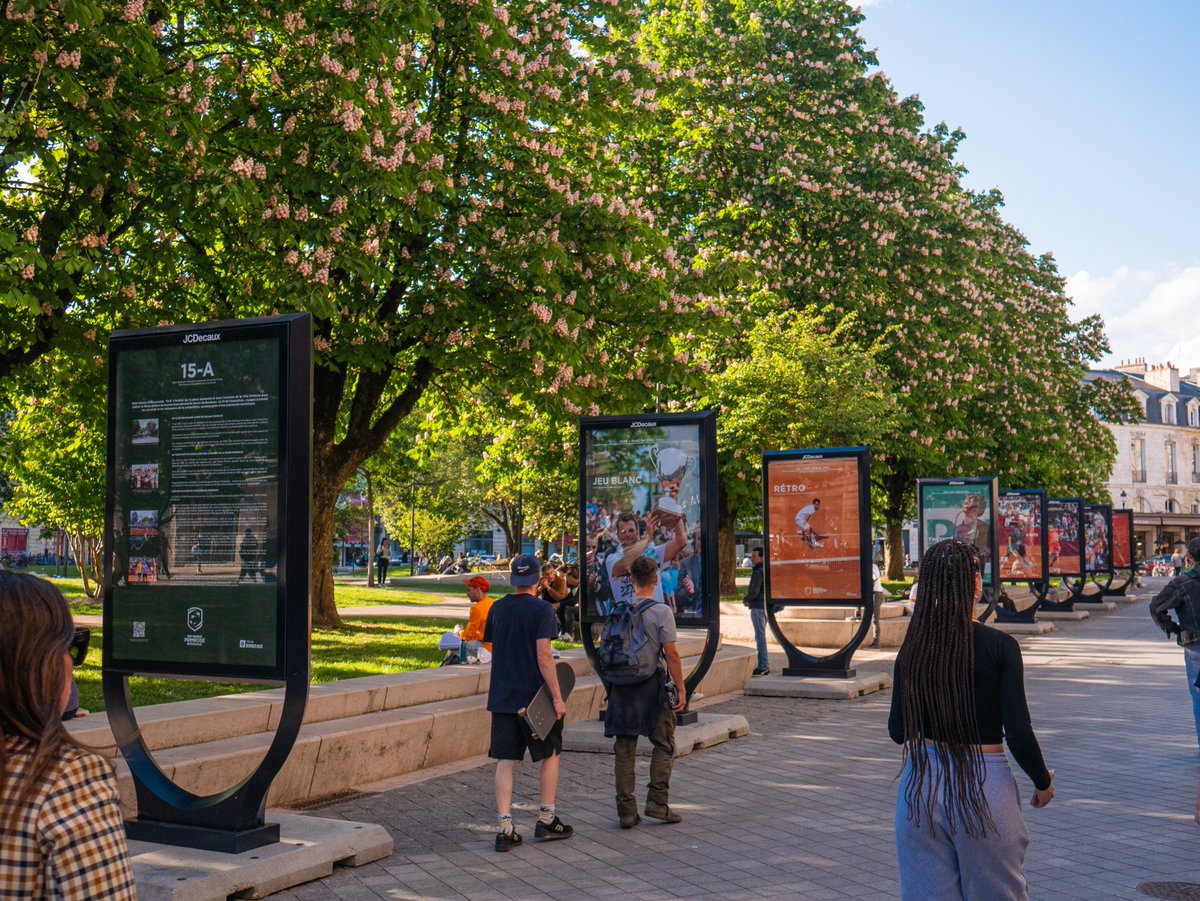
column 642, row 572
column 937, row 659
column 35, row 632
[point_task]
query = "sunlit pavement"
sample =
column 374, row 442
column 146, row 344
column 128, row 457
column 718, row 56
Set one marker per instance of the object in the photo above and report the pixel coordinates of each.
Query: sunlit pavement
column 802, row 808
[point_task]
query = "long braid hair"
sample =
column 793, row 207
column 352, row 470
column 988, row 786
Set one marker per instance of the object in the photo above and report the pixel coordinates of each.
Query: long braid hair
column 937, row 660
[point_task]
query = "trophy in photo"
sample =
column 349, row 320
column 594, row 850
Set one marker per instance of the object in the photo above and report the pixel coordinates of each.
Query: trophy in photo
column 670, row 465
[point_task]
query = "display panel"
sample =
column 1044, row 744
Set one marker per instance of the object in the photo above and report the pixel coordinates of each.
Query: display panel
column 199, row 461
column 648, row 487
column 1123, row 553
column 1064, row 516
column 960, row 508
column 1097, row 520
column 1021, row 540
column 817, row 518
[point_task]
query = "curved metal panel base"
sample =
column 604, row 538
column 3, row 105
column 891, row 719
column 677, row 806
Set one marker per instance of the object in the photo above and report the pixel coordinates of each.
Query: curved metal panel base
column 170, row 815
column 835, row 665
column 1008, row 614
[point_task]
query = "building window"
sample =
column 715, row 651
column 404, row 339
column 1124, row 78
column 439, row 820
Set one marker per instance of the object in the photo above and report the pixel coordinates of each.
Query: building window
column 1195, row 507
column 1168, row 412
column 1140, row 505
column 1137, row 458
column 1192, row 420
column 1171, row 506
column 1169, row 462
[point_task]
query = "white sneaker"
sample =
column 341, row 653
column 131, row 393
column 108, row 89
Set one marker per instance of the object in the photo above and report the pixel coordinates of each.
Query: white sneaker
column 564, row 636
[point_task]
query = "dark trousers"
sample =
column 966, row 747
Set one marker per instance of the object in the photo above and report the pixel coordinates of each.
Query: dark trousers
column 381, row 566
column 662, row 759
column 566, row 618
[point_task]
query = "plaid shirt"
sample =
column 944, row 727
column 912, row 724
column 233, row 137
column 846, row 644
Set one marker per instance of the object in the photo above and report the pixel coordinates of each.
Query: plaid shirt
column 68, row 841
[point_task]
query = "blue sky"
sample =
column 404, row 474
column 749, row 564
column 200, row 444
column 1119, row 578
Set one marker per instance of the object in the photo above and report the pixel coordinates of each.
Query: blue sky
column 1086, row 115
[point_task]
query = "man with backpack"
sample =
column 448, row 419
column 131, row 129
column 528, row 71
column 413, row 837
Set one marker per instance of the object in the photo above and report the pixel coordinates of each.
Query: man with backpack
column 642, row 672
column 1182, row 594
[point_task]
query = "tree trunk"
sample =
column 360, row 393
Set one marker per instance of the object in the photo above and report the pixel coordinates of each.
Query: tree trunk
column 79, row 548
column 371, row 543
column 893, row 551
column 897, row 485
column 324, row 611
column 726, row 542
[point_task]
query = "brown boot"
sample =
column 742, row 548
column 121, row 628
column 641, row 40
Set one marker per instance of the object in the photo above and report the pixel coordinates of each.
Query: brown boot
column 662, row 812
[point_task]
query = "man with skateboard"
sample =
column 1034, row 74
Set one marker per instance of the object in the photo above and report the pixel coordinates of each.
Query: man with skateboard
column 647, row 708
column 520, row 627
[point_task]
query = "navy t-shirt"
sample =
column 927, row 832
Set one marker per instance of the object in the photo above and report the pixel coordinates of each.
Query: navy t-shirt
column 514, row 624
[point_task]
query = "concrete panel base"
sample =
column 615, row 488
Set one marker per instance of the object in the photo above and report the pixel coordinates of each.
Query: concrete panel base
column 1098, row 606
column 815, row 687
column 310, row 847
column 1034, row 628
column 710, row 729
column 1063, row 616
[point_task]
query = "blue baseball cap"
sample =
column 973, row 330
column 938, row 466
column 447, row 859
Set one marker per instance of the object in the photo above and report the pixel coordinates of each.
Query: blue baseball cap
column 525, row 570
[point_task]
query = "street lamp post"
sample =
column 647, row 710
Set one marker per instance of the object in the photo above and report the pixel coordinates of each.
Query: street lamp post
column 412, row 529
column 1122, row 498
column 520, row 521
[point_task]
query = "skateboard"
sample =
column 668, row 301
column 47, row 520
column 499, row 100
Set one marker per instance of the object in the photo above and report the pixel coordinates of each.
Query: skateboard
column 540, row 712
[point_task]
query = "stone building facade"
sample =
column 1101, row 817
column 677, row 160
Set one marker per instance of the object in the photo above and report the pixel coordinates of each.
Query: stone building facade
column 1157, row 469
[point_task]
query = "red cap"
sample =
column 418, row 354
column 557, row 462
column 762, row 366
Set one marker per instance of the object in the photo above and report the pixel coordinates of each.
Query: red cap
column 478, row 582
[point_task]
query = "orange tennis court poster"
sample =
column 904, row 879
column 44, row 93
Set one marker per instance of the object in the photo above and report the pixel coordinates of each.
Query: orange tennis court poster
column 814, row 530
column 1122, row 539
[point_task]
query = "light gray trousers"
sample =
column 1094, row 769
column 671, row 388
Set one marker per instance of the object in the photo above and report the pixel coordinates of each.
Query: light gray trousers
column 939, row 865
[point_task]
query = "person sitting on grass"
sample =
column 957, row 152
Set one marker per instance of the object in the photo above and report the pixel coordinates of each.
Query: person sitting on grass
column 481, row 604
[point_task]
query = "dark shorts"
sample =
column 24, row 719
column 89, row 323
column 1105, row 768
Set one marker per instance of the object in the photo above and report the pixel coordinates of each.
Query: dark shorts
column 511, row 737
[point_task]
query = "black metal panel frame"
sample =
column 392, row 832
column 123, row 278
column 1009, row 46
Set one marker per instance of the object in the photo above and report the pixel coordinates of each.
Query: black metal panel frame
column 1104, row 510
column 233, row 820
column 836, row 664
column 706, row 422
column 1040, row 585
column 991, row 485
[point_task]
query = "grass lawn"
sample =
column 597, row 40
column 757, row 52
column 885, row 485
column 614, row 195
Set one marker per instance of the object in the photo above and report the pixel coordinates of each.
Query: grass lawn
column 365, row 647
column 361, row 596
column 344, row 595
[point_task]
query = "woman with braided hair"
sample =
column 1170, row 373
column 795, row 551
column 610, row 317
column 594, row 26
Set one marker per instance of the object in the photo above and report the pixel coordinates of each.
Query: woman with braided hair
column 957, row 693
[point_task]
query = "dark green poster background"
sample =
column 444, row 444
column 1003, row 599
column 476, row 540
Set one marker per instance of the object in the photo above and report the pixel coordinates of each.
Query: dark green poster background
column 195, row 522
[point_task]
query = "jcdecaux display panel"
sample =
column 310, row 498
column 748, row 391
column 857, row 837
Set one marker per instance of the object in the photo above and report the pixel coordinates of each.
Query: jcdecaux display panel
column 207, row 531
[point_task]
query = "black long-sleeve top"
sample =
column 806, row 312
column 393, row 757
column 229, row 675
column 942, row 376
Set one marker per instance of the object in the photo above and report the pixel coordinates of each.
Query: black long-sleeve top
column 1000, row 708
column 755, row 596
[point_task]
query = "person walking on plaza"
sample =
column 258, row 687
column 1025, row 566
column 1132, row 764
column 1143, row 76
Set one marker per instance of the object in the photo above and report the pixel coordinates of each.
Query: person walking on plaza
column 647, row 708
column 756, row 600
column 481, row 604
column 957, row 691
column 1182, row 595
column 61, row 832
column 520, row 628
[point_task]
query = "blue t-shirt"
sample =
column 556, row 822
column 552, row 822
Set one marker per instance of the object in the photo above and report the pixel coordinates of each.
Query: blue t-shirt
column 514, row 625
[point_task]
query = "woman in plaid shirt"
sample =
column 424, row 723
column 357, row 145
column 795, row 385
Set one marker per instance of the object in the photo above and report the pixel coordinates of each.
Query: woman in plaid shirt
column 61, row 833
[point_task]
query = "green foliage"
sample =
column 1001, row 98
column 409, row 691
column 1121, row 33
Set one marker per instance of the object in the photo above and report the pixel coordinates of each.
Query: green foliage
column 795, row 385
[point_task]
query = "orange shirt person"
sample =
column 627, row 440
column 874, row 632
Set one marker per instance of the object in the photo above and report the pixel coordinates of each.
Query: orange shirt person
column 481, row 603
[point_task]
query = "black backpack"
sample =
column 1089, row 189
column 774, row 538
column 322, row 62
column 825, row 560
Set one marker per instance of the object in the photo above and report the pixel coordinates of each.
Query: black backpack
column 626, row 655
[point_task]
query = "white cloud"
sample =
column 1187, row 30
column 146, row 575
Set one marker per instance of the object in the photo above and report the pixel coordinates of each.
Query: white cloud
column 1146, row 314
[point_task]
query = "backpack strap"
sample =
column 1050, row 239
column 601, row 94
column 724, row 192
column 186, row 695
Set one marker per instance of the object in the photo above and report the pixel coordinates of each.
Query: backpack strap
column 646, row 604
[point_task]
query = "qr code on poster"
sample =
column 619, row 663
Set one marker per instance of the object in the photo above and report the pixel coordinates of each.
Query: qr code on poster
column 139, row 629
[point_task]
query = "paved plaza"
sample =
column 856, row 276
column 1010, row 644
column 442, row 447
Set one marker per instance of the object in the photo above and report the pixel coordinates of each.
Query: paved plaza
column 803, row 806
